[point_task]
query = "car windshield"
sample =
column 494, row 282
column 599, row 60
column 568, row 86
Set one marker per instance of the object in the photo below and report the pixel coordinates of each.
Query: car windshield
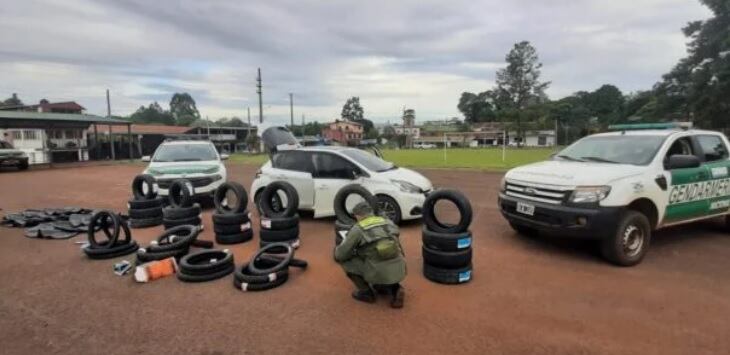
column 185, row 152
column 369, row 161
column 5, row 145
column 624, row 149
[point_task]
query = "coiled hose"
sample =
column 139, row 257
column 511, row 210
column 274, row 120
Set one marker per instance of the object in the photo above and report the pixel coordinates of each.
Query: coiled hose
column 267, row 269
column 174, row 242
column 110, row 224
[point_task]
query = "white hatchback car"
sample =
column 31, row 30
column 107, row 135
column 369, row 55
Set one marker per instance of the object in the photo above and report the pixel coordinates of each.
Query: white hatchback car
column 318, row 173
column 196, row 161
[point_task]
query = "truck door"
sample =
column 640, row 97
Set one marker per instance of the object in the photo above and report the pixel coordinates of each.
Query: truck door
column 684, row 202
column 714, row 155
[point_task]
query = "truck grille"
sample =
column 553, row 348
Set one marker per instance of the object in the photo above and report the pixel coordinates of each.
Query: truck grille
column 551, row 194
column 197, row 182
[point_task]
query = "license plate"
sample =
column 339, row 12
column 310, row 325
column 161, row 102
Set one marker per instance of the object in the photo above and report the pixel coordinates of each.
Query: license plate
column 525, row 208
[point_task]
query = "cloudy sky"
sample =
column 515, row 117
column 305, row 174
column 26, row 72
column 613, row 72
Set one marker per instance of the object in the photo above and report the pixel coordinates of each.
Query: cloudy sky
column 416, row 53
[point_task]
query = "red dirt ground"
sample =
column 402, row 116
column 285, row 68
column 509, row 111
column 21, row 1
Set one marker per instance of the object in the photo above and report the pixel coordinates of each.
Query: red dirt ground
column 537, row 296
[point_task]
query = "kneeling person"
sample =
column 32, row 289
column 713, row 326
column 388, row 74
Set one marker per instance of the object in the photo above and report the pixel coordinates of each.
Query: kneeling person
column 372, row 256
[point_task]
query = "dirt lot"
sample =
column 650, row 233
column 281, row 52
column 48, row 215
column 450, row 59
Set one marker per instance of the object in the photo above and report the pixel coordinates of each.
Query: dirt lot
column 538, row 296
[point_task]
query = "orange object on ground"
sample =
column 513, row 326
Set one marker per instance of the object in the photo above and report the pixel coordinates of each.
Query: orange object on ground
column 155, row 270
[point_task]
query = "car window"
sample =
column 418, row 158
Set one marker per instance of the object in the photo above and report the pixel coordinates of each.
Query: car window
column 368, row 160
column 713, row 147
column 682, row 146
column 293, row 160
column 185, row 152
column 620, row 149
column 330, row 166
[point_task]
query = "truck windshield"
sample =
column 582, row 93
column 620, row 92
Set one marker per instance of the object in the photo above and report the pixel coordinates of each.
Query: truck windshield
column 185, row 152
column 625, row 149
column 369, row 161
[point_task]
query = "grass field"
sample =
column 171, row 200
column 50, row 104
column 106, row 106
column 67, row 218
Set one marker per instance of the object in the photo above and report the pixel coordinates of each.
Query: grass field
column 463, row 158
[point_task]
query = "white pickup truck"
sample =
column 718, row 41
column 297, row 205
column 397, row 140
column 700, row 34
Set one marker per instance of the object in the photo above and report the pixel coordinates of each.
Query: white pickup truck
column 618, row 187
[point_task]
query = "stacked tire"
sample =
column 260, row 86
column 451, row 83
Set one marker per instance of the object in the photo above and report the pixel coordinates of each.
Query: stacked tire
column 206, row 265
column 447, row 248
column 232, row 221
column 279, row 225
column 345, row 220
column 181, row 211
column 111, row 225
column 145, row 207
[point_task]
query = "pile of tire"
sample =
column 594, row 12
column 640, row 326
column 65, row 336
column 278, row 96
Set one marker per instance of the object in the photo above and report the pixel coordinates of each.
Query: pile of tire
column 111, row 224
column 345, row 220
column 145, row 207
column 279, row 225
column 206, row 265
column 447, row 248
column 232, row 221
column 174, row 242
column 181, row 211
column 267, row 269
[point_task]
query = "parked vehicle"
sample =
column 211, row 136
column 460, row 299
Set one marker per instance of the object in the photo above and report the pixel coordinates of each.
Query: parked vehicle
column 424, row 146
column 618, row 187
column 319, row 172
column 10, row 156
column 197, row 161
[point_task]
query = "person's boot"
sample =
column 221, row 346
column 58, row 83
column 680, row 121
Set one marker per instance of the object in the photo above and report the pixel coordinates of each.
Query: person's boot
column 363, row 292
column 398, row 296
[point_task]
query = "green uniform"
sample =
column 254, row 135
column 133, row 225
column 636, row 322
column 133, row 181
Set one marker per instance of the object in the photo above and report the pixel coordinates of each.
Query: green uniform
column 372, row 250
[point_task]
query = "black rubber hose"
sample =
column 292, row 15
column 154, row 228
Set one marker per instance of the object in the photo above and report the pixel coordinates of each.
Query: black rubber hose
column 113, row 247
column 206, row 265
column 100, row 221
column 174, row 242
column 257, row 265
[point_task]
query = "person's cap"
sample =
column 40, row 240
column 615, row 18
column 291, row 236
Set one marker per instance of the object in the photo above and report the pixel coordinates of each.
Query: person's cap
column 362, row 209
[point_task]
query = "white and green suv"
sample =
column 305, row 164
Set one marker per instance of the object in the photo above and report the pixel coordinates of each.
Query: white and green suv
column 196, row 161
column 618, row 187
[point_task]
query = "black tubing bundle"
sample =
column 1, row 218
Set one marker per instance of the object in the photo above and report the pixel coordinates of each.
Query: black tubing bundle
column 110, row 224
column 267, row 269
column 206, row 265
column 145, row 207
column 279, row 225
column 174, row 242
column 232, row 221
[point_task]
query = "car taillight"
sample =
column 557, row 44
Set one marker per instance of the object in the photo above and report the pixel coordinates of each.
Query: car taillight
column 258, row 173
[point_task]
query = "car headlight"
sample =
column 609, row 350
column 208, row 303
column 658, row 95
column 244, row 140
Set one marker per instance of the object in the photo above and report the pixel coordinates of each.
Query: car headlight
column 406, row 186
column 588, row 194
column 216, row 177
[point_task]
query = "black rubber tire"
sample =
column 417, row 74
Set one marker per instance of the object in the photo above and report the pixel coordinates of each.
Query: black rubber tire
column 145, row 257
column 199, row 262
column 145, row 223
column 145, row 213
column 180, row 193
column 23, row 165
column 279, row 223
column 446, row 241
column 182, row 212
column 252, row 287
column 237, row 238
column 241, row 198
column 234, row 219
column 255, row 268
column 524, row 230
column 137, row 187
column 448, row 276
column 271, row 235
column 231, row 228
column 134, row 204
column 102, row 220
column 184, row 235
column 119, row 249
column 184, row 277
column 446, row 259
column 461, row 202
column 341, row 198
column 169, row 223
column 396, row 216
column 242, row 273
column 292, row 199
column 612, row 247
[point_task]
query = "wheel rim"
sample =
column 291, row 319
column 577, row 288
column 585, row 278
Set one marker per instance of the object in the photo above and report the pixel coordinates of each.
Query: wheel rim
column 388, row 209
column 632, row 241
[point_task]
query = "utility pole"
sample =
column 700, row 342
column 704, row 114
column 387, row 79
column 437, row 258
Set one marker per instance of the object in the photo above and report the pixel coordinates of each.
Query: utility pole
column 302, row 126
column 109, row 115
column 291, row 109
column 258, row 90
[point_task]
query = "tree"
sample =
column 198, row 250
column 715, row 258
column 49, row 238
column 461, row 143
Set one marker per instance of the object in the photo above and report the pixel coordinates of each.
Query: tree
column 476, row 107
column 183, row 109
column 230, row 122
column 606, row 103
column 698, row 86
column 352, row 111
column 12, row 101
column 154, row 113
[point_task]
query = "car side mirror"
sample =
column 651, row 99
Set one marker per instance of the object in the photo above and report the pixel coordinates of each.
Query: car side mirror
column 680, row 161
column 146, row 158
column 354, row 174
column 224, row 156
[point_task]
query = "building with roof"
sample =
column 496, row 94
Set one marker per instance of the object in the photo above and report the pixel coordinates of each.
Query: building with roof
column 48, row 137
column 343, row 132
column 45, row 106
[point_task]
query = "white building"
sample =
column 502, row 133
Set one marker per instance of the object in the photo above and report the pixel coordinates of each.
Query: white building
column 539, row 138
column 415, row 132
column 38, row 143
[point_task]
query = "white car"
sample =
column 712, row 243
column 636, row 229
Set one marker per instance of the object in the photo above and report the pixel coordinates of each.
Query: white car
column 424, row 146
column 319, row 172
column 196, row 161
column 618, row 187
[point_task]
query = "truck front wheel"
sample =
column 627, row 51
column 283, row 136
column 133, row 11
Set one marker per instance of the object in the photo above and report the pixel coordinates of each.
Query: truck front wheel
column 630, row 242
